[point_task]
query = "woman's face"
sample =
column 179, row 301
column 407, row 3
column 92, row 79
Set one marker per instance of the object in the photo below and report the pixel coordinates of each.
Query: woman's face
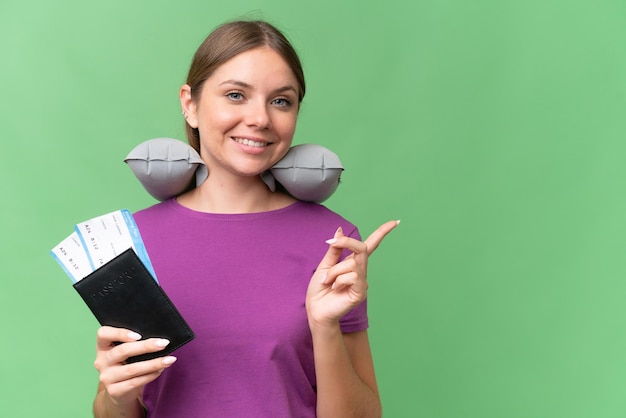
column 246, row 113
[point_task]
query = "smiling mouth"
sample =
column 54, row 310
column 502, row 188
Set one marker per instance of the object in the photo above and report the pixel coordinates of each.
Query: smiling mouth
column 251, row 143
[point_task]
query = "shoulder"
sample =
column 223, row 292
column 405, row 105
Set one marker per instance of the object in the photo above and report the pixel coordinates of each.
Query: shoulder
column 316, row 215
column 154, row 213
column 166, row 206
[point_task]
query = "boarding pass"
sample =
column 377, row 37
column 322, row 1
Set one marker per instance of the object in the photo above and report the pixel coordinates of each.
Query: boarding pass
column 97, row 241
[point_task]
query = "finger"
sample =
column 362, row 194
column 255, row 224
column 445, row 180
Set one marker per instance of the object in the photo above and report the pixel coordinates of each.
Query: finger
column 346, row 266
column 136, row 372
column 349, row 279
column 106, row 336
column 354, row 245
column 377, row 236
column 334, row 253
column 122, row 352
column 122, row 388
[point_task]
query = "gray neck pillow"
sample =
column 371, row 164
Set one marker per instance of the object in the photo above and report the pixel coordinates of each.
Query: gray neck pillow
column 167, row 167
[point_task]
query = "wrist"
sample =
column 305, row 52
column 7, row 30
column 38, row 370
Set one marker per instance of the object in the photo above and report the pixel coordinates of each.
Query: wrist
column 105, row 405
column 324, row 327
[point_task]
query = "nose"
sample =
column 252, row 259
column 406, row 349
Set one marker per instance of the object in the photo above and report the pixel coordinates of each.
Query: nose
column 258, row 116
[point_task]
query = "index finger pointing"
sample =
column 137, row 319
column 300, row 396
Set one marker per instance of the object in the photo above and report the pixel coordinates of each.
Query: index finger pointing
column 377, row 236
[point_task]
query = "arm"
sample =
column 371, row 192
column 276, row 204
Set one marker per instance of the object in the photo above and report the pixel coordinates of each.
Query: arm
column 121, row 384
column 104, row 406
column 346, row 382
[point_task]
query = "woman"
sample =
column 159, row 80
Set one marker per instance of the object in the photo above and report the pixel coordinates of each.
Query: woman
column 277, row 307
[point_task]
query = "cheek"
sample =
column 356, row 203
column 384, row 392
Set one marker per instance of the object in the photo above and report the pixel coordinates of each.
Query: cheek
column 217, row 120
column 286, row 126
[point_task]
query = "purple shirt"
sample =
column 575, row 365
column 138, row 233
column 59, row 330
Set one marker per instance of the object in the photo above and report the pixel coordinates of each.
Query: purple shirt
column 240, row 282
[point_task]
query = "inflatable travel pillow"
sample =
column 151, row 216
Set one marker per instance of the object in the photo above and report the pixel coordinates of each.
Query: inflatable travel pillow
column 166, row 167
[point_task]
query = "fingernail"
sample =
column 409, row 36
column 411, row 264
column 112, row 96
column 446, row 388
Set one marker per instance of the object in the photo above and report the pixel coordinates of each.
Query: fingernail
column 333, row 240
column 398, row 222
column 324, row 277
column 169, row 360
column 162, row 342
column 134, row 336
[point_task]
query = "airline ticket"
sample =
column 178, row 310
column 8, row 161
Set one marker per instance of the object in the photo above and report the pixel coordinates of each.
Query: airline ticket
column 97, row 241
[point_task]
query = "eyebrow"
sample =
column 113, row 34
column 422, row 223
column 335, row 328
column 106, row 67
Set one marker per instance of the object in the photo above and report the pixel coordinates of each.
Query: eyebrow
column 245, row 85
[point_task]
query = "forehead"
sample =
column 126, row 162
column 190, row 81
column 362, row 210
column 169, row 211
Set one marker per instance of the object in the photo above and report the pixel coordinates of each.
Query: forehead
column 260, row 65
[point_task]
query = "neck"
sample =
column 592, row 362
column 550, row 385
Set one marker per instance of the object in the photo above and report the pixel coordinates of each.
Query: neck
column 219, row 195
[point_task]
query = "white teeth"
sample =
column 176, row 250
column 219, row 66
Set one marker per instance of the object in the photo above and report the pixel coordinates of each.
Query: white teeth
column 250, row 143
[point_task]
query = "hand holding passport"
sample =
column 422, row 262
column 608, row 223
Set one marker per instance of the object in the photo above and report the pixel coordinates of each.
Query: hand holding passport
column 111, row 270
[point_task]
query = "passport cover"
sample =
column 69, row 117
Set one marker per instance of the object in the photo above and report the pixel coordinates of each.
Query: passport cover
column 122, row 293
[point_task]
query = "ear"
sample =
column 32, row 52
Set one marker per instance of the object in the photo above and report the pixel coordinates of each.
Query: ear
column 189, row 106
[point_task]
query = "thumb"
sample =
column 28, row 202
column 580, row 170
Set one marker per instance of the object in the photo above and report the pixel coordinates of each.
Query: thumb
column 333, row 254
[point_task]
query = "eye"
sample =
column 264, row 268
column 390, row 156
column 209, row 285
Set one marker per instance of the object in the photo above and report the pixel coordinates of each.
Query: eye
column 282, row 102
column 236, row 96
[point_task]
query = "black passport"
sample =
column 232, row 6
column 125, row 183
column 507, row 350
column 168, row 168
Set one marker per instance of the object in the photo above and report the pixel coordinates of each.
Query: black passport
column 122, row 293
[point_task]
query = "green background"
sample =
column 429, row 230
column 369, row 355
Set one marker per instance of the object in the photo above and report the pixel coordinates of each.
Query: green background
column 493, row 129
